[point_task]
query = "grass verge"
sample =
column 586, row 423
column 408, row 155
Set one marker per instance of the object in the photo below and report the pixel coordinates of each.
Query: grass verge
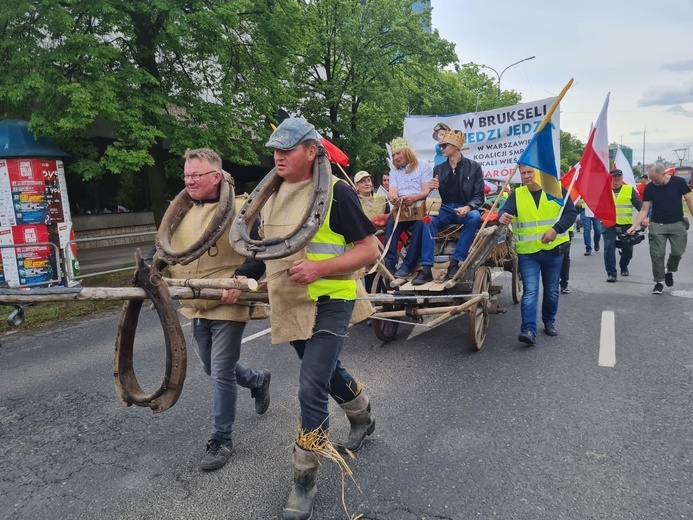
column 43, row 314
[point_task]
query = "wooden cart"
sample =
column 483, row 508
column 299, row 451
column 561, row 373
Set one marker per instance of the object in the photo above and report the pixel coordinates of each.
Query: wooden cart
column 470, row 292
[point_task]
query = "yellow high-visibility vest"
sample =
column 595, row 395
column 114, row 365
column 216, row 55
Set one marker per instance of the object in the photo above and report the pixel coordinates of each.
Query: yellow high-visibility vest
column 327, row 244
column 532, row 222
column 624, row 206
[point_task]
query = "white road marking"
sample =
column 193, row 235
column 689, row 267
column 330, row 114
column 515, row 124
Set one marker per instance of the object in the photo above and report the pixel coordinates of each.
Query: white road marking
column 607, row 340
column 256, row 335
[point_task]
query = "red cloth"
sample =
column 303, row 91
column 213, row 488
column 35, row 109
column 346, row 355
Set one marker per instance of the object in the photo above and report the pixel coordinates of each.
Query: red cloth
column 334, row 154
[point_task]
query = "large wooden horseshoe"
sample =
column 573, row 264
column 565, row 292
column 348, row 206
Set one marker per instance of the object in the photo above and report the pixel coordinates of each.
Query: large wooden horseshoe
column 314, row 216
column 215, row 229
column 126, row 384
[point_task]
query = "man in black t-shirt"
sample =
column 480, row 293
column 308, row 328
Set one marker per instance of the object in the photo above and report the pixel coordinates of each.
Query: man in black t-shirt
column 313, row 295
column 664, row 194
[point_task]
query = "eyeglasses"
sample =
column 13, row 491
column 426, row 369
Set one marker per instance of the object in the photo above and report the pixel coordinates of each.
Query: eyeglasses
column 443, row 146
column 196, row 176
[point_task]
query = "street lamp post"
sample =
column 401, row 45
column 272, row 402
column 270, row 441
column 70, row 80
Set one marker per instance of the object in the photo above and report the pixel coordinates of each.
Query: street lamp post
column 503, row 71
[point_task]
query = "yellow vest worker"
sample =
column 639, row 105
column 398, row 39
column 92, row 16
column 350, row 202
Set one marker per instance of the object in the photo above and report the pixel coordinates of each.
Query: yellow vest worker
column 540, row 228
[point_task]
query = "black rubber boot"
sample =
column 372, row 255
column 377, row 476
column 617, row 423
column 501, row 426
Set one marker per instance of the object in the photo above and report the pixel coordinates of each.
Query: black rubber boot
column 299, row 505
column 452, row 269
column 362, row 422
column 424, row 276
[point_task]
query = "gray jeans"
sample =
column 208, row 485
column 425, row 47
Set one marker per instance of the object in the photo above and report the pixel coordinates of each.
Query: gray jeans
column 219, row 348
column 658, row 235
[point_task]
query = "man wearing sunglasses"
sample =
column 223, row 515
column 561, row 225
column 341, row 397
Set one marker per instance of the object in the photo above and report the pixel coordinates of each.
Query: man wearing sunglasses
column 461, row 185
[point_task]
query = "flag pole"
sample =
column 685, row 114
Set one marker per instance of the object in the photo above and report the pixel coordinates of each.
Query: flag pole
column 572, row 185
column 549, row 114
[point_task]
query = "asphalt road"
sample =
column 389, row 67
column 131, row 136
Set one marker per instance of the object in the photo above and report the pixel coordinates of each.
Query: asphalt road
column 508, row 432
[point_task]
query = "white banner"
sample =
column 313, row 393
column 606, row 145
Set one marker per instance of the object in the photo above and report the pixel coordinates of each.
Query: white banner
column 495, row 138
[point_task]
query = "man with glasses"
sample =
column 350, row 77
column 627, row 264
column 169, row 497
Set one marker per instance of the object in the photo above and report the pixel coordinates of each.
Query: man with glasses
column 461, row 185
column 217, row 325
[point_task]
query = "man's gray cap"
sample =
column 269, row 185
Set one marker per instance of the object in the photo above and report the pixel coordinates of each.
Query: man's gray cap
column 290, row 133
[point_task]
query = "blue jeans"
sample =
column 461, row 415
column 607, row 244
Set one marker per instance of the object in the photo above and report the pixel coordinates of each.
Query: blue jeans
column 626, row 254
column 547, row 265
column 587, row 224
column 447, row 216
column 414, row 247
column 321, row 373
column 219, row 348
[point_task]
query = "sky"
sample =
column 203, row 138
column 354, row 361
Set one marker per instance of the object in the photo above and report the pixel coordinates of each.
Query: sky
column 640, row 51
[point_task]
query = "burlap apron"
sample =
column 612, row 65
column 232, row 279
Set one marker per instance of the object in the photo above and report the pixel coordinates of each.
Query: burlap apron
column 220, row 261
column 293, row 313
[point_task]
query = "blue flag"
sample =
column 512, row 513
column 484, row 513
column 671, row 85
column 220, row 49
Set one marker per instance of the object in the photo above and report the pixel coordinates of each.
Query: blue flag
column 541, row 156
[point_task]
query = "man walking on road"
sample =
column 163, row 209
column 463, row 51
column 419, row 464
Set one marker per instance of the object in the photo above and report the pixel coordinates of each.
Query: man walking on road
column 626, row 198
column 312, row 294
column 590, row 223
column 667, row 224
column 217, row 326
column 540, row 240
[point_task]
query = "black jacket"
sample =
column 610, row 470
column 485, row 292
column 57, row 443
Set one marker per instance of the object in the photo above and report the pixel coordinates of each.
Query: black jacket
column 471, row 182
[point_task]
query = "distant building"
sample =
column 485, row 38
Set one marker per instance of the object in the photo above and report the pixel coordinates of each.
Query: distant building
column 421, row 5
column 627, row 152
column 418, row 7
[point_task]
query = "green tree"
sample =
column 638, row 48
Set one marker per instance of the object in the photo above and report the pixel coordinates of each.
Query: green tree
column 163, row 75
column 358, row 67
column 571, row 150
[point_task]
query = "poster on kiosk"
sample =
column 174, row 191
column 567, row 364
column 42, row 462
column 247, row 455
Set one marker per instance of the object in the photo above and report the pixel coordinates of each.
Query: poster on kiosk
column 34, row 209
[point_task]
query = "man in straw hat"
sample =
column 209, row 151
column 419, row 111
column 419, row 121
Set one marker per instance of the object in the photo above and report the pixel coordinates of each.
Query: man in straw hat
column 217, row 326
column 461, row 185
column 312, row 294
column 409, row 185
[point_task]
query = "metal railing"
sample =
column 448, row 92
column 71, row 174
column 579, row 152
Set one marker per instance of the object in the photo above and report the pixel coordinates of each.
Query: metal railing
column 68, row 271
column 63, row 270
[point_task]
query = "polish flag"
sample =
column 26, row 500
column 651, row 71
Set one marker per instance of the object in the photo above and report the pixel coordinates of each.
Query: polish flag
column 593, row 179
column 622, row 164
column 568, row 184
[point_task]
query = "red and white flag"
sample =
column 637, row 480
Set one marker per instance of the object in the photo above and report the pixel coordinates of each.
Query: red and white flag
column 622, row 164
column 593, row 179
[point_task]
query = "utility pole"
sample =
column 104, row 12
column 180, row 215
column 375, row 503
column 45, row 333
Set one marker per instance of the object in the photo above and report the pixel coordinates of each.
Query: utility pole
column 682, row 156
column 643, row 151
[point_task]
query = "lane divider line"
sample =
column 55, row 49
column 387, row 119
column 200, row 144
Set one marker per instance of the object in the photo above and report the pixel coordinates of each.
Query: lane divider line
column 607, row 340
column 256, row 335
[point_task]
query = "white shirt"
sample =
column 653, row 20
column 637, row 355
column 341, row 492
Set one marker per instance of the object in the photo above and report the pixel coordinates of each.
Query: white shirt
column 411, row 183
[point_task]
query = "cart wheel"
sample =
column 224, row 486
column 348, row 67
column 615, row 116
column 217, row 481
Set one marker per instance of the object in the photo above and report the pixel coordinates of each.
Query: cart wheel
column 384, row 330
column 516, row 281
column 478, row 316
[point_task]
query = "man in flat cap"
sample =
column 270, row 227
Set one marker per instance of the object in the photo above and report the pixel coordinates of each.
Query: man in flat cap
column 312, row 294
column 626, row 198
column 461, row 185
